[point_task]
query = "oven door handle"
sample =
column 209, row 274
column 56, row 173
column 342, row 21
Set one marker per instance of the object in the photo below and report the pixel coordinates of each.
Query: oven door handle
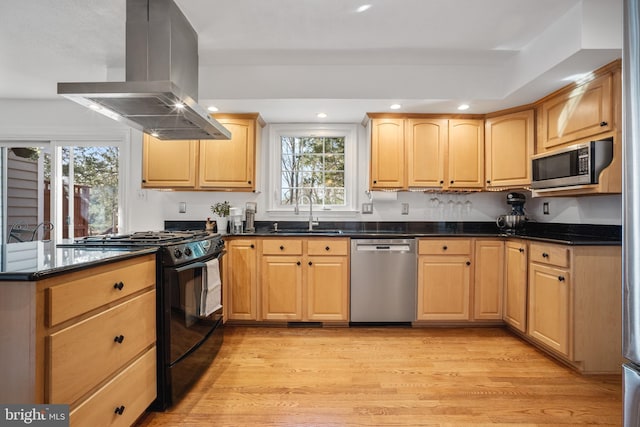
column 195, row 265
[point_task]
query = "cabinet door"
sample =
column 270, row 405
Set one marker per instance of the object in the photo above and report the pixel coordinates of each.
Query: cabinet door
column 465, row 166
column 327, row 288
column 585, row 111
column 240, row 280
column 443, row 287
column 229, row 164
column 281, row 279
column 168, row 164
column 387, row 154
column 509, row 147
column 426, row 146
column 489, row 270
column 549, row 306
column 515, row 287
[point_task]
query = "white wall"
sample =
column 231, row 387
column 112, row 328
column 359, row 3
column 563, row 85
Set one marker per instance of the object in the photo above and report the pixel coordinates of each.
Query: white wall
column 147, row 209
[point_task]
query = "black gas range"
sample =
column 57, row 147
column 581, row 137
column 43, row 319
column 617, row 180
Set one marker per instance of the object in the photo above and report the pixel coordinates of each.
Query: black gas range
column 189, row 304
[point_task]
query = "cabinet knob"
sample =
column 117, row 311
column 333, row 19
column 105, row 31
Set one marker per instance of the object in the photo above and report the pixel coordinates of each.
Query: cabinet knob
column 252, row 246
column 281, row 248
column 144, row 181
column 521, row 250
column 452, row 181
column 118, row 286
column 488, row 181
column 441, row 182
column 310, row 263
column 561, row 278
column 545, row 255
column 298, row 263
column 248, row 182
column 119, row 339
column 444, row 248
column 119, row 410
column 468, row 263
column 375, row 182
column 327, row 248
column 603, row 124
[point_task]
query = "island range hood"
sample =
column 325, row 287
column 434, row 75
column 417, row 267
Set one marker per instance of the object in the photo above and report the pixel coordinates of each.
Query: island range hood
column 160, row 93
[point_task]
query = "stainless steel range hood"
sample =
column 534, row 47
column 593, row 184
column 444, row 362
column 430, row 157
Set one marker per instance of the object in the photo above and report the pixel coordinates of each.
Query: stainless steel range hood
column 159, row 95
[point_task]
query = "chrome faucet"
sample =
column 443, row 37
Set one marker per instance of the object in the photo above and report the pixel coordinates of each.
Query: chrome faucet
column 312, row 222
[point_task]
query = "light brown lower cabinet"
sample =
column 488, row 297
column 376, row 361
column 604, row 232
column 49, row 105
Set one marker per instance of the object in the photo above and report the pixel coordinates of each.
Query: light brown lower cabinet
column 574, row 307
column 515, row 284
column 489, row 279
column 240, row 276
column 78, row 339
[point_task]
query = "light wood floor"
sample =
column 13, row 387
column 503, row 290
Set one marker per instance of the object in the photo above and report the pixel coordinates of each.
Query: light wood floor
column 389, row 377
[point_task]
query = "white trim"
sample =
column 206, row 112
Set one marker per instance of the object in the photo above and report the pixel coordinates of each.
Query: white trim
column 349, row 131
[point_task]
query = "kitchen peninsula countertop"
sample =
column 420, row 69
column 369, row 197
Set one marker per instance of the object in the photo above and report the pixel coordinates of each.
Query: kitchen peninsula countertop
column 28, row 261
column 568, row 234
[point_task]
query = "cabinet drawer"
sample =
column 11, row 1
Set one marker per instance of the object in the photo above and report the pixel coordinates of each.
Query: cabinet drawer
column 134, row 388
column 328, row 247
column 86, row 353
column 96, row 287
column 549, row 254
column 282, row 247
column 444, row 247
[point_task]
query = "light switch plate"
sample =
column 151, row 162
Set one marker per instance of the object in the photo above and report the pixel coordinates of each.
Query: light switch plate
column 182, row 207
column 405, row 209
column 367, row 208
column 545, row 208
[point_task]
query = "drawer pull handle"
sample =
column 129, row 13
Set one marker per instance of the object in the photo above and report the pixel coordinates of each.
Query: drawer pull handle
column 118, row 286
column 444, row 248
column 545, row 255
column 561, row 278
column 310, row 263
column 119, row 410
column 282, row 248
column 468, row 262
column 327, row 248
column 298, row 263
column 603, row 124
column 521, row 250
column 119, row 339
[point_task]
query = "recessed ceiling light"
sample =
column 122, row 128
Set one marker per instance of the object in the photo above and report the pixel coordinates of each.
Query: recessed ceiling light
column 155, row 134
column 321, row 115
column 395, row 106
column 363, row 8
column 212, row 108
column 179, row 105
column 463, row 107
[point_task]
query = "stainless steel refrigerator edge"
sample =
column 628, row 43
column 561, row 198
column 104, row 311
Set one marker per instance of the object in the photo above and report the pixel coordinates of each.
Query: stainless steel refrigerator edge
column 631, row 212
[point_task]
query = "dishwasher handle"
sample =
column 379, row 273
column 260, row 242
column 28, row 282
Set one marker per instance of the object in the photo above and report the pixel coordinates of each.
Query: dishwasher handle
column 384, row 248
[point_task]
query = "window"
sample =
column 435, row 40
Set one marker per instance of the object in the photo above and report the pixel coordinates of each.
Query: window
column 313, row 165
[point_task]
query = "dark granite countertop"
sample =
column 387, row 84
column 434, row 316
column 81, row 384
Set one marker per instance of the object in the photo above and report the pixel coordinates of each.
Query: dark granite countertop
column 27, row 261
column 569, row 234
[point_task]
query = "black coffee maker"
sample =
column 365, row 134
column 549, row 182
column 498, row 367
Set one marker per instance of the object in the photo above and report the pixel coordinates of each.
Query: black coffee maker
column 516, row 219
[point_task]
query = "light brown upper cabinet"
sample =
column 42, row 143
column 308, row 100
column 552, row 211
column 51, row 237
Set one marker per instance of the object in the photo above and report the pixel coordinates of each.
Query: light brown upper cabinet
column 387, row 154
column 423, row 152
column 427, row 141
column 509, row 146
column 466, row 154
column 579, row 111
column 168, row 164
column 205, row 164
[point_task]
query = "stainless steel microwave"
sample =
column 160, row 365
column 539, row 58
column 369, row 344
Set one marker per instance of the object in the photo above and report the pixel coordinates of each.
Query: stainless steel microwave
column 578, row 164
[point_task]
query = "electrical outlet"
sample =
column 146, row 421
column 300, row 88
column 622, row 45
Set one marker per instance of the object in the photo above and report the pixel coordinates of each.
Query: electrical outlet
column 367, row 208
column 405, row 209
column 182, row 207
column 545, row 208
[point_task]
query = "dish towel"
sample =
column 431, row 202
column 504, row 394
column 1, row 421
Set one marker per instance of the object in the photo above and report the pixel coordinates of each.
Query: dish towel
column 212, row 292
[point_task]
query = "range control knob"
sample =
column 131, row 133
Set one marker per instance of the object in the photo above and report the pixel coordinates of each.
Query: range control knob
column 177, row 253
column 187, row 251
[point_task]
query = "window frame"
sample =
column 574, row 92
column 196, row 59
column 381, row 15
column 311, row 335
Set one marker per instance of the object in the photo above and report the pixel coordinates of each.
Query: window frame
column 350, row 134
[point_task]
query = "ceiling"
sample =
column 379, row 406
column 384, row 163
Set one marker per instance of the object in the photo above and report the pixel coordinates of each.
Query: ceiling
column 291, row 59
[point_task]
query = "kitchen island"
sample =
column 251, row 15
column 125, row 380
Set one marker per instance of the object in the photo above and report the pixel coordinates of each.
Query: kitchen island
column 79, row 329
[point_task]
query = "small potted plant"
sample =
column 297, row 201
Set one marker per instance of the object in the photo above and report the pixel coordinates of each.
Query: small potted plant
column 221, row 212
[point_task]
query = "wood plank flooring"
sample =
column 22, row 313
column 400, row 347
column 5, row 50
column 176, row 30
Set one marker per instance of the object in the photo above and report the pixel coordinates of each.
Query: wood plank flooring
column 389, row 377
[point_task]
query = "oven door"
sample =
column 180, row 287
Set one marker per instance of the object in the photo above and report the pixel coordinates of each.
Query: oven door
column 189, row 328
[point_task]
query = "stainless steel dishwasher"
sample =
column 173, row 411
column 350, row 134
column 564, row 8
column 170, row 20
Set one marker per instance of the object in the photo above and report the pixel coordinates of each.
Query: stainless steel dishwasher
column 383, row 280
